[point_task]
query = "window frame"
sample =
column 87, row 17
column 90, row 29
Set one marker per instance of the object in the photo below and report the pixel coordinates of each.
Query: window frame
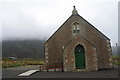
column 76, row 28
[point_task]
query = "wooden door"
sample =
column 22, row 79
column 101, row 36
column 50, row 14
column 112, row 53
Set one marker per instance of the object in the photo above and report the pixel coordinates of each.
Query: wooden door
column 79, row 57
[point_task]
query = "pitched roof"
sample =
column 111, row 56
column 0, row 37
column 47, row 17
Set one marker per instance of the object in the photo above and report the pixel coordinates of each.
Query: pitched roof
column 84, row 20
column 94, row 27
column 58, row 28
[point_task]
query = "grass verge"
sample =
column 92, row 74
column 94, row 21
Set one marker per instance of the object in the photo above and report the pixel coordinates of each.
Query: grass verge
column 6, row 63
column 116, row 60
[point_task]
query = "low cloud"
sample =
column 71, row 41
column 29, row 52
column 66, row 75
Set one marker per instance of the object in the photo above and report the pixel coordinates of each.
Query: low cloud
column 32, row 20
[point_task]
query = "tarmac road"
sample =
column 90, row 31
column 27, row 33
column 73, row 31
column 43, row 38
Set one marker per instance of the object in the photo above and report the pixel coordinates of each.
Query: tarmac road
column 14, row 72
column 95, row 74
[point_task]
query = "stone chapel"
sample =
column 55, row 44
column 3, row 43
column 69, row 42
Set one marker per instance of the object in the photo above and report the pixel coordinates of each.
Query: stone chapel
column 77, row 44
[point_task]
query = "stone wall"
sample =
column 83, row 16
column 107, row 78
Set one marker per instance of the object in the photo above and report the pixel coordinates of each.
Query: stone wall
column 54, row 47
column 90, row 54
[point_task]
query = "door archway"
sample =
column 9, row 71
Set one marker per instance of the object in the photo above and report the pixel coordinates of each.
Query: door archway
column 79, row 57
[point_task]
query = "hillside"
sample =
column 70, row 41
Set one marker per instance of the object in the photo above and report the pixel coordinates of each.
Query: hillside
column 29, row 49
column 23, row 49
column 115, row 50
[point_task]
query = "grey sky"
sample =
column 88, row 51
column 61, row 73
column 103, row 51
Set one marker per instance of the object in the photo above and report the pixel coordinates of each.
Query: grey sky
column 119, row 23
column 26, row 19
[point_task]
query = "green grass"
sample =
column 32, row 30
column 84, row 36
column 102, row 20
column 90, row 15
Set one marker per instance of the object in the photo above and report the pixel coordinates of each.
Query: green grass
column 6, row 63
column 116, row 60
column 0, row 64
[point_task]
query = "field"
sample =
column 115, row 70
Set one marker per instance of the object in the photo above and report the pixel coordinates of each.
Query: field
column 116, row 60
column 6, row 63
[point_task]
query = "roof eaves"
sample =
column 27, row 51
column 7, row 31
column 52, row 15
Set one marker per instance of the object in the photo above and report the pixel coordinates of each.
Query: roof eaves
column 57, row 30
column 94, row 27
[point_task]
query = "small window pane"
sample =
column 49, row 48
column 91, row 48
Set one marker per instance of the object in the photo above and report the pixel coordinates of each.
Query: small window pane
column 77, row 27
column 78, row 31
column 74, row 31
column 74, row 27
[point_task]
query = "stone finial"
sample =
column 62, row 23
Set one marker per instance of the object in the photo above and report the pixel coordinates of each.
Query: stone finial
column 74, row 12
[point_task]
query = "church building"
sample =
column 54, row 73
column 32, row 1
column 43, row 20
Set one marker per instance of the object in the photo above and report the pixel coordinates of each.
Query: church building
column 77, row 45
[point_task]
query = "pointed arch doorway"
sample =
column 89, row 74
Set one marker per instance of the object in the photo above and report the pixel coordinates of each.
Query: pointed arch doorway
column 79, row 57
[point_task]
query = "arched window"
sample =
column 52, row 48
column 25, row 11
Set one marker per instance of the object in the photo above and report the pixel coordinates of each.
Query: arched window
column 76, row 28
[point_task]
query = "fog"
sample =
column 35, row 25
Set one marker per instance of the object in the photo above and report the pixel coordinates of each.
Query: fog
column 119, row 24
column 39, row 19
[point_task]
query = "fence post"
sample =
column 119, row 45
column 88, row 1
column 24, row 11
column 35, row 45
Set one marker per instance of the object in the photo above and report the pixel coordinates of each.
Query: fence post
column 47, row 68
column 55, row 69
column 62, row 68
column 40, row 68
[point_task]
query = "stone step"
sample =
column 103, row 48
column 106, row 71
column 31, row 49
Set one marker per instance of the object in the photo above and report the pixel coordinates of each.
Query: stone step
column 81, row 70
column 53, row 70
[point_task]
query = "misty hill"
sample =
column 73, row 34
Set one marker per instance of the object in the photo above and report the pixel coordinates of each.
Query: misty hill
column 30, row 49
column 23, row 49
column 115, row 50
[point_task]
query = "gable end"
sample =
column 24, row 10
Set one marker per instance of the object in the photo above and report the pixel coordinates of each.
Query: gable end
column 84, row 20
column 93, row 27
column 57, row 29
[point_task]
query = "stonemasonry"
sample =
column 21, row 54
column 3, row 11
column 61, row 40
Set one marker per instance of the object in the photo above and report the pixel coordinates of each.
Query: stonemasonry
column 59, row 48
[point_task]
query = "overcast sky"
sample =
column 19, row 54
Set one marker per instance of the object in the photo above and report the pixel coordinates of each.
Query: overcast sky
column 36, row 19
